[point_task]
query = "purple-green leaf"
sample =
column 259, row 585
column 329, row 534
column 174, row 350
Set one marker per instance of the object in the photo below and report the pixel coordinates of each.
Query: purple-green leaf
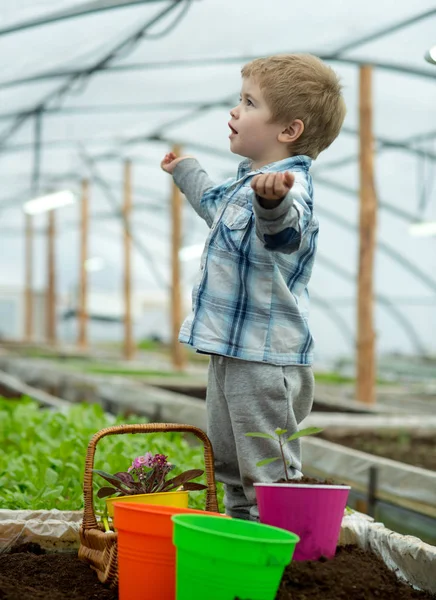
column 104, row 492
column 125, row 477
column 192, row 486
column 113, row 479
column 182, row 479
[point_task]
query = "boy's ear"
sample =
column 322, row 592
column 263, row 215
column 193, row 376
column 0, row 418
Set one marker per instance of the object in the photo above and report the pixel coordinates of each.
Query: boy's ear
column 292, row 132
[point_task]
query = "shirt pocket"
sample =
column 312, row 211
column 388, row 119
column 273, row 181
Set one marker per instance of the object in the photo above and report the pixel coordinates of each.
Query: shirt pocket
column 232, row 228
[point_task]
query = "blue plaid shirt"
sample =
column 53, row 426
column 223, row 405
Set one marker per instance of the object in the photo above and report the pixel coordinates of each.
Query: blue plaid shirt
column 251, row 300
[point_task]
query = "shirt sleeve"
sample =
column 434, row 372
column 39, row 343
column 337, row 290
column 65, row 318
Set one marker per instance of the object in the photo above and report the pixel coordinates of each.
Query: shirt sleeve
column 198, row 188
column 282, row 228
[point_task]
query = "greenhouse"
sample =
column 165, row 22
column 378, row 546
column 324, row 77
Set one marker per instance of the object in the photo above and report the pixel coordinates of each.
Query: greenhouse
column 183, row 414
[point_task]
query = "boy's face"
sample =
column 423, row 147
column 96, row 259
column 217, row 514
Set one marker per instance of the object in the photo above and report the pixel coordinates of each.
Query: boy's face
column 251, row 133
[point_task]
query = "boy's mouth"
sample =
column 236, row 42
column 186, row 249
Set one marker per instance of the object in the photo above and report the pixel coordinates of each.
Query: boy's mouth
column 232, row 130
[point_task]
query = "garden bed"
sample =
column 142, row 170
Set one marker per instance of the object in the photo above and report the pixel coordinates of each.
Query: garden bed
column 366, row 566
column 47, row 384
column 324, row 402
column 413, row 448
column 353, row 573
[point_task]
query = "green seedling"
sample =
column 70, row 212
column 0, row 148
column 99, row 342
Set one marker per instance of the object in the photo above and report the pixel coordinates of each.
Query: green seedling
column 281, row 439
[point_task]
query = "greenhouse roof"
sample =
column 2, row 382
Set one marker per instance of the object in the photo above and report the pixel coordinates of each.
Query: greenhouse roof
column 85, row 84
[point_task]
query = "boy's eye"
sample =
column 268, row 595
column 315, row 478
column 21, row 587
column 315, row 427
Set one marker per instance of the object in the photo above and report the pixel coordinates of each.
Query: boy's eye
column 247, row 101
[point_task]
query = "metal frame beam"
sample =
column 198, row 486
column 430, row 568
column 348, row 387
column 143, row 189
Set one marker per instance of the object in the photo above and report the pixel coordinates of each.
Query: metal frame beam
column 353, row 193
column 396, row 256
column 85, row 9
column 335, row 316
column 384, row 301
column 385, row 31
column 203, row 62
column 128, row 43
column 106, row 109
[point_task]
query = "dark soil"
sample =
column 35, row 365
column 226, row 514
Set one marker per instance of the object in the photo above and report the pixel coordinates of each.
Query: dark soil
column 410, row 448
column 351, row 575
column 310, row 481
column 27, row 573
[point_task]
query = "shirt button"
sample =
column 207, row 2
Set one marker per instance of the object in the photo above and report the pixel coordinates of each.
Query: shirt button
column 201, row 267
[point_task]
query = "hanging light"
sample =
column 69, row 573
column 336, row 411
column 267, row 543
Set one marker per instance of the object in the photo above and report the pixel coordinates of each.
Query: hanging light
column 94, row 264
column 423, row 229
column 49, row 202
column 430, row 55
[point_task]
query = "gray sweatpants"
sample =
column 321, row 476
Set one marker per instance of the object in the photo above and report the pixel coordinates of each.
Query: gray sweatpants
column 245, row 397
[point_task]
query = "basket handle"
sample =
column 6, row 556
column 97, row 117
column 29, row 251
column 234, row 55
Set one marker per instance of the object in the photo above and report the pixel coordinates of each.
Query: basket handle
column 89, row 519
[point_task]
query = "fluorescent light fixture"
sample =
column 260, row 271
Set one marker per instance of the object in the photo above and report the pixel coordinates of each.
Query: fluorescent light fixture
column 190, row 252
column 424, row 229
column 49, row 202
column 94, row 264
column 430, row 55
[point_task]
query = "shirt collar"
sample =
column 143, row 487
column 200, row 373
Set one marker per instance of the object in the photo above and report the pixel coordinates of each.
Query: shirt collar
column 288, row 164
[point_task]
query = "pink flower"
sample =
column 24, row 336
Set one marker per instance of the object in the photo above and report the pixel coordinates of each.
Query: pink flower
column 142, row 461
column 148, row 459
column 160, row 460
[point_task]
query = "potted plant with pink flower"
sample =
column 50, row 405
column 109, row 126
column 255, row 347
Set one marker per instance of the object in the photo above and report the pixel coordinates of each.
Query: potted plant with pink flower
column 146, row 482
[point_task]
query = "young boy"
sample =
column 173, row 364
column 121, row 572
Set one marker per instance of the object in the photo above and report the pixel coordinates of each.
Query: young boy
column 250, row 304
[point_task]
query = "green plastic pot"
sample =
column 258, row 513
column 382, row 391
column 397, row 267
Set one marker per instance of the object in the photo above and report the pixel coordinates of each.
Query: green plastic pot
column 220, row 559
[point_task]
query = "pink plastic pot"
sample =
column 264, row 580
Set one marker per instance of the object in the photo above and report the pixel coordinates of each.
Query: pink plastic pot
column 313, row 512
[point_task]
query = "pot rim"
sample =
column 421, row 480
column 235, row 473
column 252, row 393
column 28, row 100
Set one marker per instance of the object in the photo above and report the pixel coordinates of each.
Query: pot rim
column 118, row 498
column 304, row 486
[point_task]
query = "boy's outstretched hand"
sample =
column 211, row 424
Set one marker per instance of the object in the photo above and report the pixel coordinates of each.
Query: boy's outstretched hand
column 170, row 161
column 273, row 186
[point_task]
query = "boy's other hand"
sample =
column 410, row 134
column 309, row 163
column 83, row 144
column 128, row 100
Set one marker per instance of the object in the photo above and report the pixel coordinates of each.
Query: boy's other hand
column 170, row 161
column 273, row 186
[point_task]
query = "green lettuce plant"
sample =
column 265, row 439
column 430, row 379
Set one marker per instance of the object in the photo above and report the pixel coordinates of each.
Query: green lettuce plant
column 42, row 454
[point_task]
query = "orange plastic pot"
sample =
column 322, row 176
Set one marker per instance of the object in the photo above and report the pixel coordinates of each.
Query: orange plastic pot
column 146, row 554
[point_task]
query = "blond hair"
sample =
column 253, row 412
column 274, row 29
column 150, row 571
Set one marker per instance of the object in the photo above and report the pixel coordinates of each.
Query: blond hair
column 301, row 86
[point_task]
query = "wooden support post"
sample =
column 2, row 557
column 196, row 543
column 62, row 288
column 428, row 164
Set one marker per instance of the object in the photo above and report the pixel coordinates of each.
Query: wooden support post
column 28, row 289
column 366, row 367
column 177, row 350
column 51, row 284
column 82, row 340
column 129, row 350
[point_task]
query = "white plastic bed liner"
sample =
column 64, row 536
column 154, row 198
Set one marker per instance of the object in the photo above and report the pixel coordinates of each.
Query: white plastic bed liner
column 411, row 559
column 53, row 530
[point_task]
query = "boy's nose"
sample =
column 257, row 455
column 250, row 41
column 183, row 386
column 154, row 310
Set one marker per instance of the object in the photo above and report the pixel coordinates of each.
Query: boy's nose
column 234, row 112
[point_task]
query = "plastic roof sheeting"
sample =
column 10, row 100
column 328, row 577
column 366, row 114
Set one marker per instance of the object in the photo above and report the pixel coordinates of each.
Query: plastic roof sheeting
column 179, row 85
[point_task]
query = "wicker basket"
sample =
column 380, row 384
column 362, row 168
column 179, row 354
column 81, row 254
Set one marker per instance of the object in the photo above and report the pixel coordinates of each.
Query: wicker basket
column 99, row 548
